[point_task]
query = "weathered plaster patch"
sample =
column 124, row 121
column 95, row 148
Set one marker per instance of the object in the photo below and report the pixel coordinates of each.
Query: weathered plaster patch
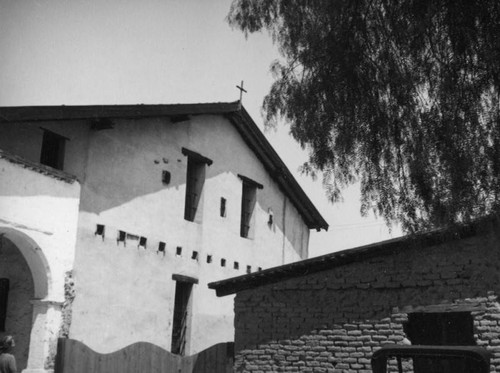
column 69, row 296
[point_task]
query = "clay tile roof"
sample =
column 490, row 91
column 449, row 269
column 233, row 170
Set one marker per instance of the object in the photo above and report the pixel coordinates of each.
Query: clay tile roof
column 37, row 167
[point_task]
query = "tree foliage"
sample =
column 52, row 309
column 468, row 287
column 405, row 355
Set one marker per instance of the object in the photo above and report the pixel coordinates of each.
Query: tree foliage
column 401, row 95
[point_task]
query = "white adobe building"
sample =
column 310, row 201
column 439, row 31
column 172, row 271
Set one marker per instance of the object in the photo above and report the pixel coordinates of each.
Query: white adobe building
column 113, row 220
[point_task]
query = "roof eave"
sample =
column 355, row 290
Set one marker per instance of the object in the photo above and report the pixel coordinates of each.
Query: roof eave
column 336, row 259
column 83, row 112
column 277, row 168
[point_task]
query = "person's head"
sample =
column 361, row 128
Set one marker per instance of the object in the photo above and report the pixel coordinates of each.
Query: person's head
column 7, row 343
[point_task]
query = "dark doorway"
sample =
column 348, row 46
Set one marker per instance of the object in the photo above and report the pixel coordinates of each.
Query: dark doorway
column 4, row 296
column 447, row 328
column 181, row 317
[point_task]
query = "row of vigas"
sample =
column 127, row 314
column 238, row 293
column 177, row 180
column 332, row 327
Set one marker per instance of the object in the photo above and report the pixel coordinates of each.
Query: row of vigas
column 141, row 242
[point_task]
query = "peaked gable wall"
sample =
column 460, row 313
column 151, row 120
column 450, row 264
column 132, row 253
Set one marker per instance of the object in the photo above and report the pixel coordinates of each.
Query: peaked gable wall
column 120, row 283
column 109, row 292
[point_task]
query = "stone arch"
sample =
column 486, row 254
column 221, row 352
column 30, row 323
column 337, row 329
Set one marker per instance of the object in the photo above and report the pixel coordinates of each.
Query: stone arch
column 35, row 258
column 27, row 268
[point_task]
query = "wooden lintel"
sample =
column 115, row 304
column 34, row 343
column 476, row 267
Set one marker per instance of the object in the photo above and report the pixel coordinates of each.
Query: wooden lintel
column 182, row 278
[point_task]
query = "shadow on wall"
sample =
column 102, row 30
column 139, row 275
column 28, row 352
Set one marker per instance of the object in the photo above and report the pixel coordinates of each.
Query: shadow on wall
column 129, row 163
column 140, row 159
column 462, row 272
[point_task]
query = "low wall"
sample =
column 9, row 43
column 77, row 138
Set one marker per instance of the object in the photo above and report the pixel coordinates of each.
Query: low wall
column 75, row 357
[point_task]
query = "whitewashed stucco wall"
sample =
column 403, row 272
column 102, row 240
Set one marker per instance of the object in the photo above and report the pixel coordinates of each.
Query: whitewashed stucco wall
column 125, row 294
column 44, row 210
column 123, row 191
column 38, row 216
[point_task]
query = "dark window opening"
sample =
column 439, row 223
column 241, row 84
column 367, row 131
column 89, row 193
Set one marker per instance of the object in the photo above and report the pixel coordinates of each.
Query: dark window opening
column 223, row 207
column 165, row 177
column 236, row 265
column 248, row 200
column 99, row 231
column 223, row 262
column 4, row 297
column 52, row 153
column 209, row 258
column 195, row 180
column 181, row 317
column 161, row 247
column 194, row 256
column 447, row 328
column 121, row 236
column 142, row 242
column 249, row 269
column 178, row 251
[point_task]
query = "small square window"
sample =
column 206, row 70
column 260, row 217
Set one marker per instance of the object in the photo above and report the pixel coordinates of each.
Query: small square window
column 223, row 262
column 99, row 231
column 249, row 269
column 165, row 177
column 122, row 235
column 142, row 242
column 209, row 258
column 194, row 256
column 178, row 251
column 236, row 265
column 161, row 247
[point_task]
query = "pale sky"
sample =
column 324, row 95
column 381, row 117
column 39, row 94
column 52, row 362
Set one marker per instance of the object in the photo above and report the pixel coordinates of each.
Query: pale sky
column 88, row 52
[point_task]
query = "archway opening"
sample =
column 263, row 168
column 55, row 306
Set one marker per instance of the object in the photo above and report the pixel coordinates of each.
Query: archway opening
column 24, row 276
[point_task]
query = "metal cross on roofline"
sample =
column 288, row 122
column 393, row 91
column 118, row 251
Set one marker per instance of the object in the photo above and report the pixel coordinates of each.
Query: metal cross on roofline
column 241, row 90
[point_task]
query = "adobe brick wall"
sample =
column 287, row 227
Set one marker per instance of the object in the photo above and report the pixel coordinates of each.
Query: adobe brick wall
column 332, row 321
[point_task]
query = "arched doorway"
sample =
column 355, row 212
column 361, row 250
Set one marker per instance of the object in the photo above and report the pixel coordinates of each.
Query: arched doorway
column 24, row 276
